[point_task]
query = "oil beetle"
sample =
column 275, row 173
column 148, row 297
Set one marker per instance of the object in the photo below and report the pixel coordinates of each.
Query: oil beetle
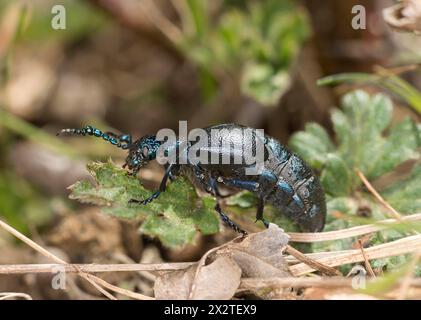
column 285, row 180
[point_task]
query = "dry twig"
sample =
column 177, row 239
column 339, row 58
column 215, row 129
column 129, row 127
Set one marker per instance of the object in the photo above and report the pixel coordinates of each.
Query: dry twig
column 370, row 188
column 91, row 268
column 329, row 271
column 366, row 262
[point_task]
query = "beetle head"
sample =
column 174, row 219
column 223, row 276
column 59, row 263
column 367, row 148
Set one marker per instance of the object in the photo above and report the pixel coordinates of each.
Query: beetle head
column 141, row 152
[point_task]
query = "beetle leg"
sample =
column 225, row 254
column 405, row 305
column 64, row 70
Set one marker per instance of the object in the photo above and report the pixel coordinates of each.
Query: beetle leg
column 241, row 184
column 204, row 181
column 259, row 213
column 250, row 186
column 228, row 221
column 213, row 189
column 173, row 173
column 209, row 184
column 162, row 188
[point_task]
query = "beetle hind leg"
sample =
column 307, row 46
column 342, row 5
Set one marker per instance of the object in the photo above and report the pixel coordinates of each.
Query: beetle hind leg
column 250, row 186
column 259, row 213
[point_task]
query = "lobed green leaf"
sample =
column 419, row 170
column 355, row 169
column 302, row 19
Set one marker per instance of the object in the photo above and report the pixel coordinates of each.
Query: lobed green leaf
column 175, row 217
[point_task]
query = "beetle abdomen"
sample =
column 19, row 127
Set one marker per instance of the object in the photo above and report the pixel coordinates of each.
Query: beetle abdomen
column 297, row 193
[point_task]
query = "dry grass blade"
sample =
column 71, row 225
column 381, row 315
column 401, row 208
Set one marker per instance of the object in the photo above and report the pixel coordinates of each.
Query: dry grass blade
column 370, row 188
column 366, row 262
column 394, row 248
column 116, row 289
column 331, row 282
column 350, row 232
column 368, row 185
column 12, row 295
column 92, row 268
column 406, row 282
column 160, row 21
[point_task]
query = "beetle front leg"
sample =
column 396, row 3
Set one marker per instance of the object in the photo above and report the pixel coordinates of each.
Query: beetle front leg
column 174, row 172
column 162, row 187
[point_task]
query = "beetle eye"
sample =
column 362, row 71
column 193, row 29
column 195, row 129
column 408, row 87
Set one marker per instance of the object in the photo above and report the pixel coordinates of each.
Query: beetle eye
column 145, row 151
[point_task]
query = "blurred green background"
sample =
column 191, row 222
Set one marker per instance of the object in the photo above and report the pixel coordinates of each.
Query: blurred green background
column 138, row 66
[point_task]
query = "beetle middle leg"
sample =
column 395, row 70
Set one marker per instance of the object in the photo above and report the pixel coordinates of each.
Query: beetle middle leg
column 211, row 187
column 250, row 186
column 162, row 186
column 228, row 221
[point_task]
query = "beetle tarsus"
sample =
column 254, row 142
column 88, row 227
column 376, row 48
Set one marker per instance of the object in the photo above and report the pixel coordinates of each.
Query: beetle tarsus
column 147, row 200
column 228, row 221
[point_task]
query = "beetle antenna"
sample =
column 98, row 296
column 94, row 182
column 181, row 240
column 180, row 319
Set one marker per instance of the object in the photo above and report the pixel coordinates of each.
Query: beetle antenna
column 123, row 141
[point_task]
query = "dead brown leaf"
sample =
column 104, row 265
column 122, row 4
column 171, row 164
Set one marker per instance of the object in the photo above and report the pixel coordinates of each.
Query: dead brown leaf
column 218, row 274
column 218, row 280
column 260, row 255
column 405, row 16
column 174, row 285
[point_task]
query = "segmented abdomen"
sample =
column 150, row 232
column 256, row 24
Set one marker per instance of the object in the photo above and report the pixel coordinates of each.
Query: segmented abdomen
column 297, row 192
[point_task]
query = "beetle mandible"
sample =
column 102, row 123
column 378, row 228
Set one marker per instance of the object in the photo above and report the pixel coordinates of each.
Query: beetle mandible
column 285, row 180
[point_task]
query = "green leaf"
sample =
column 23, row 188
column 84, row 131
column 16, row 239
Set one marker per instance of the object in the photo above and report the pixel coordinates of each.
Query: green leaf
column 364, row 140
column 361, row 142
column 199, row 16
column 263, row 83
column 401, row 145
column 336, row 176
column 21, row 204
column 254, row 43
column 360, row 133
column 405, row 196
column 174, row 217
column 244, row 199
column 313, row 144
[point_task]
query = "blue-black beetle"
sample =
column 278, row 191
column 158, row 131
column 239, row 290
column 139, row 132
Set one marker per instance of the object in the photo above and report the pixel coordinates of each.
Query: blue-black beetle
column 285, row 180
